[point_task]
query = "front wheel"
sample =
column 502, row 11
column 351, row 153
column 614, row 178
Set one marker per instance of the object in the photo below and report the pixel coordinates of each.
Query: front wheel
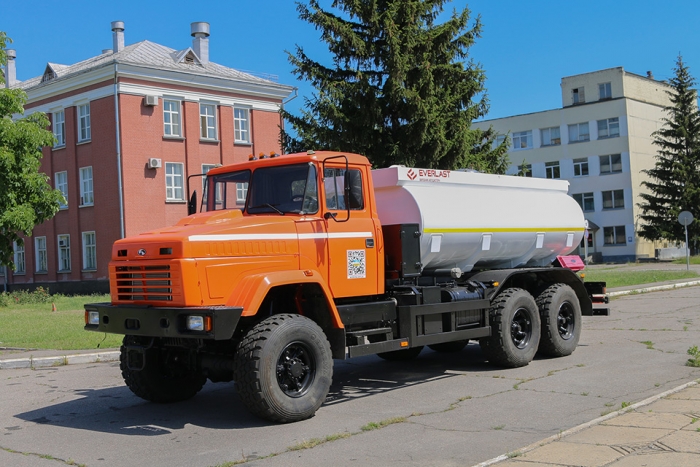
column 283, row 368
column 561, row 320
column 515, row 329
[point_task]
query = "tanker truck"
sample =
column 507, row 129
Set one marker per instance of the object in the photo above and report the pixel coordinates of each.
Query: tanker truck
column 293, row 261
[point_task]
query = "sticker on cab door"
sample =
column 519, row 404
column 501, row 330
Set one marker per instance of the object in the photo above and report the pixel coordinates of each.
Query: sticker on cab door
column 357, row 266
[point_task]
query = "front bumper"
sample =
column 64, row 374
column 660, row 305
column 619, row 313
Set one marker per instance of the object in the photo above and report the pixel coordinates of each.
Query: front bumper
column 142, row 320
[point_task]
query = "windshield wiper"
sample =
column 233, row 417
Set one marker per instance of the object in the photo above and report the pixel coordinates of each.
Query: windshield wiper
column 268, row 205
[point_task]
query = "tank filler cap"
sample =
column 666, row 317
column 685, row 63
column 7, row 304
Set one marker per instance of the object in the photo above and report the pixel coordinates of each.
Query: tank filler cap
column 456, row 273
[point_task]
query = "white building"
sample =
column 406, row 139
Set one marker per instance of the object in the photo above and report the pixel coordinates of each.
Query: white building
column 600, row 141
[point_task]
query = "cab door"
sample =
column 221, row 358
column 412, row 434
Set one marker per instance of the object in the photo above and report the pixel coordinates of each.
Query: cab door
column 352, row 246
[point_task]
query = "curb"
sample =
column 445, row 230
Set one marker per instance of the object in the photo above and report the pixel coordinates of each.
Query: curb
column 654, row 288
column 586, row 425
column 61, row 360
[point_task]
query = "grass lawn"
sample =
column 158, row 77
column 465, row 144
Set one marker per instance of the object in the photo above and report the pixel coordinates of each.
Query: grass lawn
column 617, row 278
column 35, row 326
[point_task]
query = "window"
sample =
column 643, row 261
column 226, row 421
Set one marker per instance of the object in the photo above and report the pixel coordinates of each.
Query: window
column 86, row 195
column 59, row 128
column 522, row 140
column 525, row 170
column 205, row 169
column 63, row 253
column 20, row 265
column 610, row 164
column 89, row 251
column 42, row 259
column 334, row 183
column 614, row 235
column 207, row 121
column 83, row 122
column 604, row 91
column 609, row 128
column 171, row 118
column 585, row 200
column 241, row 192
column 174, row 181
column 61, row 183
column 241, row 125
column 550, row 136
column 551, row 169
column 581, row 167
column 578, row 96
column 579, row 132
column 614, row 199
column 498, row 141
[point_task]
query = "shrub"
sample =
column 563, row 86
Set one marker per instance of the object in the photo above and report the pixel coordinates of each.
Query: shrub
column 25, row 297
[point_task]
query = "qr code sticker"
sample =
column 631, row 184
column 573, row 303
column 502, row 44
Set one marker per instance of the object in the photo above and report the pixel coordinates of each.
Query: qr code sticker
column 356, row 264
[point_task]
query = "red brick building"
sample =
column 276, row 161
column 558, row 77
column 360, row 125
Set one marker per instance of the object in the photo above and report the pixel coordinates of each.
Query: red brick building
column 131, row 124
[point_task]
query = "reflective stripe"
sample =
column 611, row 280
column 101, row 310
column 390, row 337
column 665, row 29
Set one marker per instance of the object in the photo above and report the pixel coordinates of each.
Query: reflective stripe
column 506, row 229
column 309, row 236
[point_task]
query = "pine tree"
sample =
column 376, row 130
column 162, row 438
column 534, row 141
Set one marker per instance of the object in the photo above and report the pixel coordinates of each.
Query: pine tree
column 26, row 198
column 674, row 181
column 401, row 88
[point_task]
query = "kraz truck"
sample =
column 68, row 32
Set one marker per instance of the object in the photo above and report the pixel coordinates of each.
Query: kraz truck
column 295, row 260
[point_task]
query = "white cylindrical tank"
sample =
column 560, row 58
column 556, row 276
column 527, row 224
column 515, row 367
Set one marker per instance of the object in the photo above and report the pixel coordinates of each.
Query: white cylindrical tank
column 472, row 220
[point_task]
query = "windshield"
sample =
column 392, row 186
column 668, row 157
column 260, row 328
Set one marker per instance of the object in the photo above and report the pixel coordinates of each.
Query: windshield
column 280, row 190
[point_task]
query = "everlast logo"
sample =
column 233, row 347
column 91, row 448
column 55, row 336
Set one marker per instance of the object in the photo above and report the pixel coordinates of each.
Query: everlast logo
column 433, row 173
column 411, row 174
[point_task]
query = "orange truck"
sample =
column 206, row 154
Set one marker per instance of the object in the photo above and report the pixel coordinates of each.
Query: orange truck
column 295, row 260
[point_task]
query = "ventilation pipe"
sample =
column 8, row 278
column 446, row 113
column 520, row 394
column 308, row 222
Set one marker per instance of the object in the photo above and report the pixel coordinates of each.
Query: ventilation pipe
column 10, row 68
column 117, row 36
column 200, row 43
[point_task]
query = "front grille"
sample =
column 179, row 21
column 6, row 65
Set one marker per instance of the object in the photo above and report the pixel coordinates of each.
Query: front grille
column 144, row 283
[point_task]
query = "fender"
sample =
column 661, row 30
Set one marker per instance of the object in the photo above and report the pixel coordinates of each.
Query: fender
column 250, row 292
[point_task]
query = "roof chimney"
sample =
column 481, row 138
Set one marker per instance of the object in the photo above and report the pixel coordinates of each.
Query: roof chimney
column 200, row 43
column 650, row 75
column 117, row 36
column 10, row 69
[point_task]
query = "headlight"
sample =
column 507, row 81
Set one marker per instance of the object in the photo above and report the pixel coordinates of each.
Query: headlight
column 92, row 318
column 199, row 323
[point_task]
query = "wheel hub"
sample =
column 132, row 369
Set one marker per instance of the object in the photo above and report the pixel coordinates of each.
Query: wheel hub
column 295, row 369
column 521, row 328
column 565, row 321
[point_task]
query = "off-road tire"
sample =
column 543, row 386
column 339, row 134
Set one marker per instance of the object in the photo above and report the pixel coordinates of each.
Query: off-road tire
column 560, row 313
column 401, row 355
column 449, row 347
column 283, row 368
column 157, row 382
column 515, row 329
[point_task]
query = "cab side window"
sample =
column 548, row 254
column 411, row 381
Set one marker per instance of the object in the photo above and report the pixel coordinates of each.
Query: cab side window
column 334, row 181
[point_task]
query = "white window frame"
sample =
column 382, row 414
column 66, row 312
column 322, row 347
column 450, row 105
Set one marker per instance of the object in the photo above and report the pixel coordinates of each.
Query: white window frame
column 609, row 128
column 63, row 242
column 19, row 258
column 581, row 167
column 171, row 117
column 59, row 128
column 522, row 140
column 87, row 195
column 89, row 251
column 61, row 184
column 552, row 169
column 575, row 129
column 498, row 140
column 604, row 91
column 84, row 132
column 617, row 233
column 615, row 199
column 578, row 95
column 583, row 199
column 527, row 168
column 174, row 181
column 241, row 192
column 550, row 136
column 241, row 125
column 610, row 164
column 41, row 258
column 207, row 121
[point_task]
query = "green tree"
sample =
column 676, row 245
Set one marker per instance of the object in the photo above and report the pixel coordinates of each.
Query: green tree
column 401, row 88
column 26, row 198
column 674, row 181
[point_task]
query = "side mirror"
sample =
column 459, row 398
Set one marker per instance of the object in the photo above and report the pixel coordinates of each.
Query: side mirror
column 192, row 204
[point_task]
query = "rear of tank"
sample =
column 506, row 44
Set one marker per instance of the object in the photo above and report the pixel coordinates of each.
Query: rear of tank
column 471, row 220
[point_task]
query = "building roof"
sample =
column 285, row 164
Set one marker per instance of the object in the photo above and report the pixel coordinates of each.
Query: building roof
column 144, row 54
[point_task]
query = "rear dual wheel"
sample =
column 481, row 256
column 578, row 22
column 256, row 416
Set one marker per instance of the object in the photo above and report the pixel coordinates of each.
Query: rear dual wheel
column 560, row 311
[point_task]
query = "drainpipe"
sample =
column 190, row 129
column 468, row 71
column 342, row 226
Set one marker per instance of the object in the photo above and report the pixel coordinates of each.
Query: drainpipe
column 119, row 152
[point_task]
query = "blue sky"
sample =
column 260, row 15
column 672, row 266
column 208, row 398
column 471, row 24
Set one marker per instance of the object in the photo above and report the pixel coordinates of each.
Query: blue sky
column 526, row 47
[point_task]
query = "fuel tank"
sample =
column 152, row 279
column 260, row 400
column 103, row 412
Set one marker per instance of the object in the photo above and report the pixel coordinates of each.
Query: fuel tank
column 471, row 220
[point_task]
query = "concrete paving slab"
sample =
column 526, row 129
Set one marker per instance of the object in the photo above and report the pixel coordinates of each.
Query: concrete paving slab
column 664, row 459
column 615, row 435
column 687, row 394
column 565, row 453
column 683, row 441
column 682, row 406
column 669, row 421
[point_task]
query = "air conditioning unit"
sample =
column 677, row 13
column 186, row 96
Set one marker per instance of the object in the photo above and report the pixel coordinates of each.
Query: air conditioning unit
column 154, row 163
column 150, row 100
column 62, row 243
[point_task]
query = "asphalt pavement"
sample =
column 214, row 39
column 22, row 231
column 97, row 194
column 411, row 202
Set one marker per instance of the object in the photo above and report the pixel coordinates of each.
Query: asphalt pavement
column 662, row 430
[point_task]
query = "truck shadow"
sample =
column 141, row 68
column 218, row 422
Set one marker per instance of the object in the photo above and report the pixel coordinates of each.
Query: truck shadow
column 116, row 410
